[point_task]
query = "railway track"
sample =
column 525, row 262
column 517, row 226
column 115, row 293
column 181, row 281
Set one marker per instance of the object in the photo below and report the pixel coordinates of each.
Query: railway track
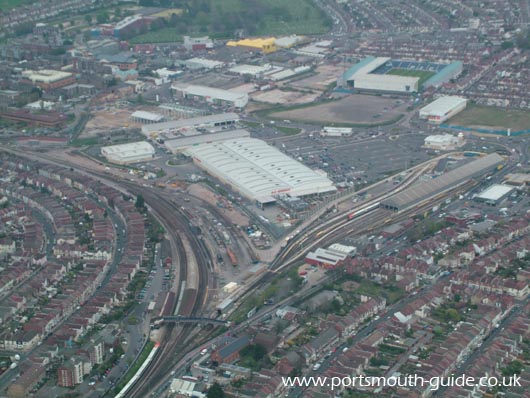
column 196, row 279
column 195, row 269
column 368, row 222
column 318, row 231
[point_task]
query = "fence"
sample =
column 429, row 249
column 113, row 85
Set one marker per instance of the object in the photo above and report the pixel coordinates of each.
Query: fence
column 506, row 133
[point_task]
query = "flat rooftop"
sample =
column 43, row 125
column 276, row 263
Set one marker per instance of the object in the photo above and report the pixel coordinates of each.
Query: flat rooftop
column 495, row 193
column 443, row 105
column 426, row 189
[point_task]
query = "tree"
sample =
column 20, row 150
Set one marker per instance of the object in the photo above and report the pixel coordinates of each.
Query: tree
column 173, row 19
column 140, row 203
column 523, row 40
column 452, row 315
column 102, row 17
column 215, row 391
column 295, row 372
column 254, row 351
column 514, row 367
column 88, row 19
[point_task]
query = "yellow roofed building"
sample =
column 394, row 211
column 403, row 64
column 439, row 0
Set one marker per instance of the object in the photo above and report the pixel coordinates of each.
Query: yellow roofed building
column 264, row 45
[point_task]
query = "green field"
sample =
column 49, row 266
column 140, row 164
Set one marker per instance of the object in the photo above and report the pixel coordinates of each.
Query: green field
column 492, row 117
column 7, row 4
column 164, row 35
column 222, row 18
column 424, row 75
column 288, row 130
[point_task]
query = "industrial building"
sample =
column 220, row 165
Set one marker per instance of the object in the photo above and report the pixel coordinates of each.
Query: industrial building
column 177, row 126
column 254, row 70
column 318, row 50
column 425, row 190
column 443, row 109
column 128, row 153
column 130, row 25
column 181, row 144
column 211, row 95
column 349, row 251
column 201, row 63
column 197, row 43
column 266, row 46
column 443, row 142
column 186, row 388
column 256, row 170
column 325, row 258
column 146, row 117
column 494, row 194
column 48, row 79
column 520, row 180
column 286, row 73
column 336, row 132
column 289, row 41
column 332, row 257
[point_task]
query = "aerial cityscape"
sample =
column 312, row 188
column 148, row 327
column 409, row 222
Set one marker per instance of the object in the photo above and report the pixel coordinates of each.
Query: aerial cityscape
column 264, row 198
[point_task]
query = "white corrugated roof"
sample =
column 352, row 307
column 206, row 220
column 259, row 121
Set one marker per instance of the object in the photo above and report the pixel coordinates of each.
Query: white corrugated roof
column 131, row 149
column 495, row 192
column 205, row 91
column 181, row 143
column 343, row 249
column 204, row 62
column 257, row 169
column 245, row 69
column 442, row 105
column 193, row 122
column 441, row 139
column 155, row 117
column 325, row 256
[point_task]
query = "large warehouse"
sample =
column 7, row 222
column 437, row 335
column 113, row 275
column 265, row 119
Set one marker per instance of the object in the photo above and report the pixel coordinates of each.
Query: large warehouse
column 258, row 170
column 424, row 190
column 494, row 194
column 48, row 79
column 211, row 95
column 443, row 109
column 178, row 126
column 128, row 153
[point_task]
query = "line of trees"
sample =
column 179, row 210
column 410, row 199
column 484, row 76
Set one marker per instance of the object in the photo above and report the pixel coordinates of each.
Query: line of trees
column 209, row 16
